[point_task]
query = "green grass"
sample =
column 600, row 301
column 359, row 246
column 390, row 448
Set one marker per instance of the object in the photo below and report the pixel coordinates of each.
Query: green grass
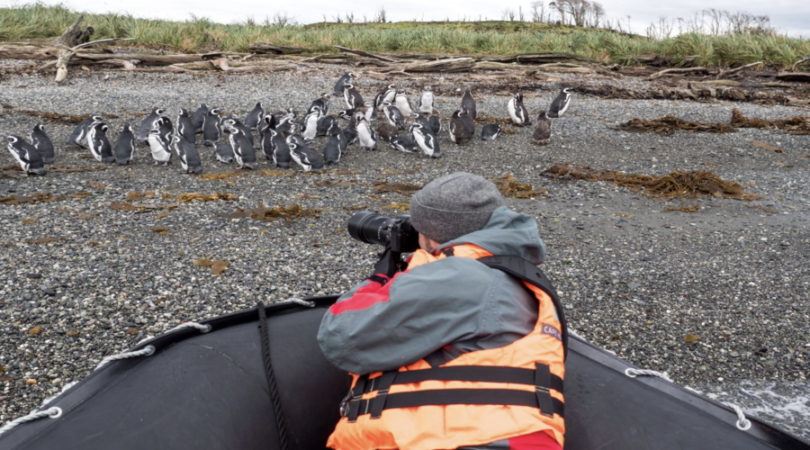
column 493, row 38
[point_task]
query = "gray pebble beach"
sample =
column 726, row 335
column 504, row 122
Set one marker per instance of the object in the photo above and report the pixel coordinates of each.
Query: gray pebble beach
column 716, row 298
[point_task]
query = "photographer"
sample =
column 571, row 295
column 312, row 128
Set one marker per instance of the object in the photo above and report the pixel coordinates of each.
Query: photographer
column 452, row 353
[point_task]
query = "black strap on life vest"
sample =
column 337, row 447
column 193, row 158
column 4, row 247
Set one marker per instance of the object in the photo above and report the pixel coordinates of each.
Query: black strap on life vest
column 541, row 378
column 524, row 270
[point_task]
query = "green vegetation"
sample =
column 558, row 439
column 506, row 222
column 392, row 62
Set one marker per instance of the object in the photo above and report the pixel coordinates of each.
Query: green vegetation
column 495, row 38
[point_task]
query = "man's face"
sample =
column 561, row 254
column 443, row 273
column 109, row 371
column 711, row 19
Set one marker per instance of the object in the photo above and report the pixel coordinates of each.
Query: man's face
column 427, row 244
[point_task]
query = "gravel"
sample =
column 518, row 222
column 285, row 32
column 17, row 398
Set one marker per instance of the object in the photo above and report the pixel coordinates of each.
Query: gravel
column 636, row 280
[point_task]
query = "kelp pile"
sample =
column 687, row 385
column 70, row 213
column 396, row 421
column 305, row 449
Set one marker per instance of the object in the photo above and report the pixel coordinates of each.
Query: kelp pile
column 510, row 187
column 264, row 214
column 669, row 124
column 679, row 183
column 798, row 125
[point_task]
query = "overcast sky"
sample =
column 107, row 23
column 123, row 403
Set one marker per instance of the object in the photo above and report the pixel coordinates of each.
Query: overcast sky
column 788, row 16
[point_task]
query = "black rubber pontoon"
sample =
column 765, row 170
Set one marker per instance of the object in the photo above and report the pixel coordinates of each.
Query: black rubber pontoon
column 212, row 391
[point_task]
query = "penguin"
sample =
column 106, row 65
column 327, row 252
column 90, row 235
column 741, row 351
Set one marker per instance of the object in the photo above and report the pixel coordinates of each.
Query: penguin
column 426, row 140
column 404, row 143
column 560, row 104
column 266, row 143
column 426, row 101
column 198, row 118
column 468, row 121
column 255, row 116
column 347, row 78
column 424, row 121
column 517, row 111
column 401, row 101
column 321, row 102
column 394, row 115
column 352, row 97
column 43, row 144
column 324, row 123
column 305, row 157
column 336, row 132
column 366, row 134
column 160, row 147
column 268, row 121
column 223, row 152
column 242, row 149
column 184, row 126
column 386, row 131
column 147, row 125
column 331, row 151
column 99, row 144
column 351, row 136
column 285, row 121
column 310, row 126
column 542, row 130
column 187, row 153
column 435, row 124
column 468, row 104
column 281, row 150
column 29, row 158
column 212, row 129
column 166, row 130
column 347, row 114
column 460, row 132
column 386, row 95
column 124, row 148
column 79, row 134
column 490, row 131
column 369, row 113
column 231, row 120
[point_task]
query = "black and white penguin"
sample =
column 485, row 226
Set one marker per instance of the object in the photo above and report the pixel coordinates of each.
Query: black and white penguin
column 304, row 156
column 460, row 131
column 212, row 129
column 517, row 111
column 386, row 131
column 322, row 102
column 184, row 127
column 425, row 140
column 401, row 101
column 242, row 148
column 347, row 78
column 281, row 150
column 147, row 125
column 79, row 134
column 268, row 121
column 404, row 143
column 352, row 97
column 309, row 127
column 394, row 115
column 331, row 151
column 347, row 114
column 255, row 116
column 336, row 132
column 351, row 136
column 198, row 118
column 426, row 101
column 223, row 152
column 166, row 130
column 435, row 124
column 159, row 146
column 233, row 121
column 366, row 134
column 468, row 104
column 187, row 153
column 43, row 144
column 324, row 123
column 542, row 130
column 285, row 121
column 124, row 148
column 386, row 95
column 99, row 144
column 490, row 131
column 560, row 104
column 29, row 158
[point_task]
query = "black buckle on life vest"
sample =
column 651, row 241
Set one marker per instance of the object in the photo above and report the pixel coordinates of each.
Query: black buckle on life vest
column 350, row 406
column 378, row 402
column 542, row 380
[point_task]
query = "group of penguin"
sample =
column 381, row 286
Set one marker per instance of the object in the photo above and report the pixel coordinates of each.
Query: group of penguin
column 277, row 131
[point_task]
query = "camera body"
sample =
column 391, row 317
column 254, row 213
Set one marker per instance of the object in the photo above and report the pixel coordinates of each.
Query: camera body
column 397, row 233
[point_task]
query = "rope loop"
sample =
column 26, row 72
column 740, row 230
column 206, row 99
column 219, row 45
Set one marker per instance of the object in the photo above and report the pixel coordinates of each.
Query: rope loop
column 632, row 373
column 202, row 328
column 146, row 351
column 743, row 423
column 52, row 412
column 300, row 301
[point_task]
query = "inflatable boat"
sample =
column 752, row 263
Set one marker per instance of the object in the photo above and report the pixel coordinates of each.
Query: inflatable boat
column 256, row 380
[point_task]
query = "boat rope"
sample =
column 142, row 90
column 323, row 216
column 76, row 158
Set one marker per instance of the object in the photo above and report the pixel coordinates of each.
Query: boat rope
column 300, row 301
column 742, row 422
column 203, row 328
column 632, row 373
column 146, row 351
column 271, row 378
column 64, row 388
column 52, row 412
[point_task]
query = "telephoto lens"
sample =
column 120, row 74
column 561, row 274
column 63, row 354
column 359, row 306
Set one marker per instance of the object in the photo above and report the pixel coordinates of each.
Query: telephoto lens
column 371, row 228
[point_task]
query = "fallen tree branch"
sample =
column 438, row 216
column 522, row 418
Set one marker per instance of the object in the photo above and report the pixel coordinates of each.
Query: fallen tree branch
column 262, row 47
column 680, row 71
column 68, row 53
column 803, row 77
column 366, row 54
column 725, row 73
column 803, row 60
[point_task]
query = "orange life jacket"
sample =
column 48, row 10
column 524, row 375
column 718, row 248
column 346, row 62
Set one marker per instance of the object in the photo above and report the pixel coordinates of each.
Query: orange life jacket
column 423, row 408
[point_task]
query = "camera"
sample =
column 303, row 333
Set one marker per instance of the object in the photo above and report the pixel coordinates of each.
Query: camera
column 396, row 233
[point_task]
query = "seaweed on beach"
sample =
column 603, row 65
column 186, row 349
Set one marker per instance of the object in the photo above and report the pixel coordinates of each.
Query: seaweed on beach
column 797, row 125
column 676, row 184
column 66, row 119
column 510, row 187
column 36, row 197
column 669, row 124
column 264, row 214
column 399, row 188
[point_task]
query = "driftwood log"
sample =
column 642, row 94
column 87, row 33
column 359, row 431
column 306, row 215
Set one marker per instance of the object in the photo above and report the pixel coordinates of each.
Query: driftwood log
column 366, row 54
column 681, row 71
column 801, row 61
column 67, row 54
column 803, row 77
column 263, row 48
column 451, row 65
column 726, row 73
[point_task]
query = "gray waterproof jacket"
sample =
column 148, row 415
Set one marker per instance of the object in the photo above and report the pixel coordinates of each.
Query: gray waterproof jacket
column 439, row 310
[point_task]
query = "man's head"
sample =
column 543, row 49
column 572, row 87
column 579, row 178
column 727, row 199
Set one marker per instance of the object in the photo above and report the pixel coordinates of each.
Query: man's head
column 454, row 205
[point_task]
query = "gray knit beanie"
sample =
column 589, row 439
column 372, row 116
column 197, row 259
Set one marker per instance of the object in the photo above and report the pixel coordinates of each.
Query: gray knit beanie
column 454, row 205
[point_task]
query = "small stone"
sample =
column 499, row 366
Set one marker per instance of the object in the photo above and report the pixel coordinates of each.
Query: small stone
column 35, row 331
column 31, row 382
column 34, row 276
column 49, row 291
